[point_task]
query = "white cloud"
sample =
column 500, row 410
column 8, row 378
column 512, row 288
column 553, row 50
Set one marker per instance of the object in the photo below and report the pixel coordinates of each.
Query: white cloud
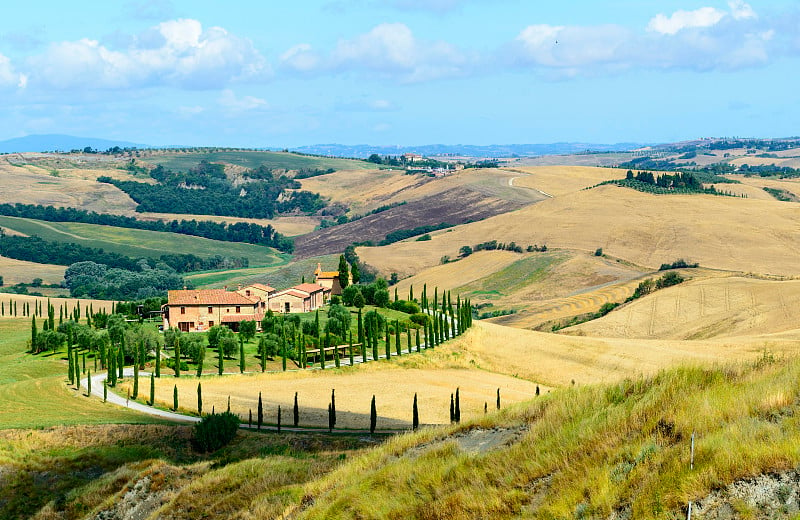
column 231, row 101
column 389, row 49
column 178, row 53
column 741, row 10
column 679, row 20
column 9, row 77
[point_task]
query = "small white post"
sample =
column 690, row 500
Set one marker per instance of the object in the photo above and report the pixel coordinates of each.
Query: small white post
column 691, row 460
column 689, row 515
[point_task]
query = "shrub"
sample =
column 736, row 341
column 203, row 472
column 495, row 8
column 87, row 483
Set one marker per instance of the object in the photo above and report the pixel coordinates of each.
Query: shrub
column 215, row 431
column 598, row 251
column 406, row 306
column 420, row 318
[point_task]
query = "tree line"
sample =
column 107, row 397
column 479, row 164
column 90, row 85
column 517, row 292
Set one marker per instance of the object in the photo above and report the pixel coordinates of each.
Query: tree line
column 36, row 249
column 237, row 232
column 206, row 189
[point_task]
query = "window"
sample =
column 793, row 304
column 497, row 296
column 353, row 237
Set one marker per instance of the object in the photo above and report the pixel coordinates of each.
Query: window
column 210, row 310
column 211, row 323
column 287, row 307
column 183, row 310
column 238, row 310
column 247, row 292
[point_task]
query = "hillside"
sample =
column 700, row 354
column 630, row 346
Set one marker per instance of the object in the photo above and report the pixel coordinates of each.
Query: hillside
column 717, row 307
column 743, row 234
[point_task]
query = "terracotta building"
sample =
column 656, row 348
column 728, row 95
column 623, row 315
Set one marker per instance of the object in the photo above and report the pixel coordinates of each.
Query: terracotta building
column 328, row 279
column 305, row 297
column 199, row 310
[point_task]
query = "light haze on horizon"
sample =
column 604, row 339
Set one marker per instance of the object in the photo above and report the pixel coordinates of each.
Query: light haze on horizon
column 407, row 72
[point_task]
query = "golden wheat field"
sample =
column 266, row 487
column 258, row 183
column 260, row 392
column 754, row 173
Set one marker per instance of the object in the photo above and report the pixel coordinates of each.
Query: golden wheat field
column 393, row 385
column 720, row 232
column 67, row 304
column 19, row 271
column 716, row 307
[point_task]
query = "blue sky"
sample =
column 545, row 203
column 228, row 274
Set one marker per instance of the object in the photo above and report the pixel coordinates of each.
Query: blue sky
column 268, row 74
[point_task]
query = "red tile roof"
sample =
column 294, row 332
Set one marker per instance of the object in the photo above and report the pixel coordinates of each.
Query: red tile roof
column 292, row 292
column 236, row 318
column 207, row 297
column 309, row 288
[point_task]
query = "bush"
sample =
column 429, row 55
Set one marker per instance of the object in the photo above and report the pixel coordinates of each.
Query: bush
column 598, row 251
column 215, row 431
column 170, row 362
column 406, row 306
column 678, row 264
column 668, row 280
column 420, row 318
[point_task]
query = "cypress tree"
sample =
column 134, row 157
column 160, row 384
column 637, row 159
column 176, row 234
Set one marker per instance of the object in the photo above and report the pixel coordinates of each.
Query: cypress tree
column 178, row 357
column 112, row 367
column 418, row 347
column 229, row 404
column 373, row 416
column 333, row 406
column 344, row 272
column 136, row 376
column 221, row 363
column 373, row 335
column 485, row 408
column 33, row 334
column 360, row 327
column 260, row 412
column 411, row 293
column 70, row 376
column 89, row 384
column 158, row 359
column 415, row 415
column 283, row 351
column 352, row 361
column 152, row 389
column 241, row 354
column 336, row 359
column 201, row 360
column 199, row 400
column 395, row 294
column 398, row 343
column 498, row 398
column 322, row 346
column 175, row 398
column 316, row 323
column 458, row 408
column 279, row 418
column 83, row 359
column 105, row 390
column 452, row 410
column 537, row 390
column 2, row 308
column 388, row 342
column 120, row 362
column 330, row 419
column 296, row 412
column 250, row 419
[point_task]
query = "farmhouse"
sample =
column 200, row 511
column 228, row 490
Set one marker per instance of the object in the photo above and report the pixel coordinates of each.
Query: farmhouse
column 257, row 291
column 328, row 280
column 199, row 310
column 305, row 297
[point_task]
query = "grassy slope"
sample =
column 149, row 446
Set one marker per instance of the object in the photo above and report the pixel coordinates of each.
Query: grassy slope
column 33, row 393
column 248, row 159
column 584, row 452
column 141, row 243
column 279, row 277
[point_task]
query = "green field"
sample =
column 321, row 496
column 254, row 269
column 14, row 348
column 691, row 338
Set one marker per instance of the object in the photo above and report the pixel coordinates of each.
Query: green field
column 272, row 160
column 280, row 276
column 141, row 243
column 514, row 277
column 33, row 389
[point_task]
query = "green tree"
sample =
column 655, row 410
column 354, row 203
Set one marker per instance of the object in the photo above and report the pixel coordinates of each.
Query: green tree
column 241, row 353
column 344, row 272
column 338, row 320
column 260, row 411
column 199, row 400
column 295, row 412
column 415, row 415
column 247, row 329
column 175, row 398
column 177, row 358
column 359, row 301
column 152, row 389
column 355, row 273
column 373, row 416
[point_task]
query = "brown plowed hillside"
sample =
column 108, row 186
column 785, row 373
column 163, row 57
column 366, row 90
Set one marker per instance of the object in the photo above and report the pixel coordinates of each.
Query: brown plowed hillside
column 728, row 233
column 456, row 206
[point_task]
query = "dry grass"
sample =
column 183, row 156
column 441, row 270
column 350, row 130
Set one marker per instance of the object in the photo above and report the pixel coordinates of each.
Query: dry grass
column 562, row 180
column 67, row 304
column 19, row 271
column 393, row 385
column 720, row 232
column 718, row 307
column 290, row 226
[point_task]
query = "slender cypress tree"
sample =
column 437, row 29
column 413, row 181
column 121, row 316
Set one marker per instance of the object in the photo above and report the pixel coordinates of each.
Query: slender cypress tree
column 374, row 338
column 260, row 412
column 83, row 360
column 322, row 344
column 221, row 363
column 452, row 410
column 112, row 367
column 33, row 334
column 152, row 389
column 136, row 375
column 229, row 404
column 201, row 359
column 241, row 354
column 279, row 418
column 158, row 359
column 178, row 357
column 333, row 406
column 408, row 336
column 398, row 343
column 70, row 375
column 199, row 400
column 283, row 352
column 498, row 398
column 458, row 408
column 537, row 390
column 418, row 344
column 411, row 293
column 89, row 383
column 250, row 419
column 373, row 416
column 316, row 324
column 175, row 398
column 295, row 412
column 388, row 342
column 415, row 415
column 336, row 359
column 352, row 361
column 121, row 361
column 105, row 390
column 360, row 327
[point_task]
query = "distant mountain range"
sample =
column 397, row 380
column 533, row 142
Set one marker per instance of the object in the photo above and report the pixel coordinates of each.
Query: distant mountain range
column 65, row 143
column 363, row 151
column 62, row 143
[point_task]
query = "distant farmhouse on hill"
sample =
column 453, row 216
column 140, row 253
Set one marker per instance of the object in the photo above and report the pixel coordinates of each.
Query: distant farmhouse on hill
column 329, row 280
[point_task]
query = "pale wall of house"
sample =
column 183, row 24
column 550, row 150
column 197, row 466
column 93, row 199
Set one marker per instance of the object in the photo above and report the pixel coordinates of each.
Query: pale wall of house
column 197, row 318
column 296, row 304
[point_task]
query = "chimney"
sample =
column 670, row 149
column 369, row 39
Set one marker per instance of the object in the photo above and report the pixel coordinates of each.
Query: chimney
column 239, row 287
